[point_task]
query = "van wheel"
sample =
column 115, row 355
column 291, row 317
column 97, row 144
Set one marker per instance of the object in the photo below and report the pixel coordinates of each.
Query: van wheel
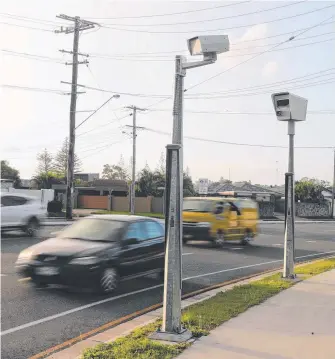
column 109, row 280
column 246, row 238
column 32, row 227
column 219, row 239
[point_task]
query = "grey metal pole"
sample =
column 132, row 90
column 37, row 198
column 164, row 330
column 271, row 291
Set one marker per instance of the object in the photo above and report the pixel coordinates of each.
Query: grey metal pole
column 132, row 192
column 333, row 195
column 288, row 270
column 173, row 260
column 73, row 105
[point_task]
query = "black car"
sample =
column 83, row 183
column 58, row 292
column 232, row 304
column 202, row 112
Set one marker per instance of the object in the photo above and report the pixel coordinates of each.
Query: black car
column 96, row 252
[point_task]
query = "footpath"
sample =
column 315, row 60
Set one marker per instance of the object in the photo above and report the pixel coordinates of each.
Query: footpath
column 298, row 323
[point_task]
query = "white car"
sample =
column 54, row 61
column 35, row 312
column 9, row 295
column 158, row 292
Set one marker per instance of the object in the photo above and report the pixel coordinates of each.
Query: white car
column 19, row 211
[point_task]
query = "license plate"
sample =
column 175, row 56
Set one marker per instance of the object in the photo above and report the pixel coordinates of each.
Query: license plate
column 47, row 271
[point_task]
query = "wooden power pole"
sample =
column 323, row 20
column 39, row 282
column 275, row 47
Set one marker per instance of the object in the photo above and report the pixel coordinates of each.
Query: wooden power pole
column 133, row 177
column 79, row 25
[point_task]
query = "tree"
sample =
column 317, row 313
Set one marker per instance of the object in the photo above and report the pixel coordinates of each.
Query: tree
column 116, row 172
column 47, row 179
column 150, row 181
column 161, row 167
column 44, row 162
column 60, row 161
column 8, row 172
column 310, row 190
column 188, row 185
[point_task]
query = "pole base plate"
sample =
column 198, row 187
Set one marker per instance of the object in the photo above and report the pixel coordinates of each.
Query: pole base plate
column 292, row 278
column 182, row 337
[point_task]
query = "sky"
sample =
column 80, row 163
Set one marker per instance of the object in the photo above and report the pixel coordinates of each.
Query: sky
column 132, row 53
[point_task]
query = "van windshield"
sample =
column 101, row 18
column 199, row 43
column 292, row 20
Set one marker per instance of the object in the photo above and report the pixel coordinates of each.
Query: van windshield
column 197, row 205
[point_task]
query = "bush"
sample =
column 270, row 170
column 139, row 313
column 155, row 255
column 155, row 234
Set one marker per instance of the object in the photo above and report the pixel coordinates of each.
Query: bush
column 55, row 206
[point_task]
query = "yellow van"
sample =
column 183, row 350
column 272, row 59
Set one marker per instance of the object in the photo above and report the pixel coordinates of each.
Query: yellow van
column 220, row 219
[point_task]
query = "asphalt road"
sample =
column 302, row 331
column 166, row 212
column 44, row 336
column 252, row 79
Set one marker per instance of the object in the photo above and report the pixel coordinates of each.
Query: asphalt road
column 34, row 320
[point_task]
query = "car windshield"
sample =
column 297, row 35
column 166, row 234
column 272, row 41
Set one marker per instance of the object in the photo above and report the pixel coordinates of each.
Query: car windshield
column 93, row 229
column 197, row 205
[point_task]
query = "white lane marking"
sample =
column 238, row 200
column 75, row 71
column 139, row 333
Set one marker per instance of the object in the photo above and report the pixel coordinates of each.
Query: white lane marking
column 3, row 275
column 236, row 248
column 253, row 265
column 277, row 245
column 74, row 310
column 311, row 241
column 187, row 254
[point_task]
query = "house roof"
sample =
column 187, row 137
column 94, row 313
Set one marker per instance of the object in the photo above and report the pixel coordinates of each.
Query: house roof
column 105, row 185
column 242, row 186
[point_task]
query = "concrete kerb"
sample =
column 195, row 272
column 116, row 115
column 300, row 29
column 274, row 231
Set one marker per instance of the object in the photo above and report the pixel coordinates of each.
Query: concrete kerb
column 110, row 335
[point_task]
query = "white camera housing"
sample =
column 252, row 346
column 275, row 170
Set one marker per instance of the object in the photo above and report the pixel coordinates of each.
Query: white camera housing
column 208, row 45
column 289, row 107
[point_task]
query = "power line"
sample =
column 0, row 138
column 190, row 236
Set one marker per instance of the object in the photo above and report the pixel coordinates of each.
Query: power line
column 31, row 19
column 212, row 19
column 124, row 58
column 32, row 56
column 161, row 54
column 318, row 83
column 301, row 39
column 235, row 143
column 236, row 43
column 281, row 34
column 26, row 27
column 294, row 79
column 104, row 125
column 229, row 113
column 170, row 14
column 164, row 97
column 142, row 59
column 211, row 30
column 104, row 148
column 37, row 89
column 252, row 58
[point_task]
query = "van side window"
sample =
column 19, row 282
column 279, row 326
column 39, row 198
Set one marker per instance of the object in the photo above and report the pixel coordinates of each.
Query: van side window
column 234, row 208
column 219, row 208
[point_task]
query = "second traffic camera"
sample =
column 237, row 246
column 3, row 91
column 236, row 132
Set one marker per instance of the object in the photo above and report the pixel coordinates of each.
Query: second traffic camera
column 289, row 107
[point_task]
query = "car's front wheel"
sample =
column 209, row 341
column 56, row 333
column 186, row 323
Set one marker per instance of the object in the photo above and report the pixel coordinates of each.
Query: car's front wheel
column 109, row 280
column 32, row 227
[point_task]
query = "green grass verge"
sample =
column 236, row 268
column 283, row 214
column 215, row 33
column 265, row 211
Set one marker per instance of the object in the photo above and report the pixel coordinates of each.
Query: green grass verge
column 154, row 215
column 201, row 318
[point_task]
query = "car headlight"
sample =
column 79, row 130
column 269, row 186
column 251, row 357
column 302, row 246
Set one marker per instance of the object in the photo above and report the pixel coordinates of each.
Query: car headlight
column 204, row 224
column 24, row 256
column 85, row 260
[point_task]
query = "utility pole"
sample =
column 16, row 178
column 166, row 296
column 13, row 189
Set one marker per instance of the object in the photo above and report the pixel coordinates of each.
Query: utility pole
column 79, row 25
column 333, row 194
column 133, row 176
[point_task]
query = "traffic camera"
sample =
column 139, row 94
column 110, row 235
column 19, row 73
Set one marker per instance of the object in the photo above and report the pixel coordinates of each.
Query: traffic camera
column 289, row 107
column 209, row 46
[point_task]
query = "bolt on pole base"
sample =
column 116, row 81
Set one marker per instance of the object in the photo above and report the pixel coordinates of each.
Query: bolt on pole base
column 182, row 337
